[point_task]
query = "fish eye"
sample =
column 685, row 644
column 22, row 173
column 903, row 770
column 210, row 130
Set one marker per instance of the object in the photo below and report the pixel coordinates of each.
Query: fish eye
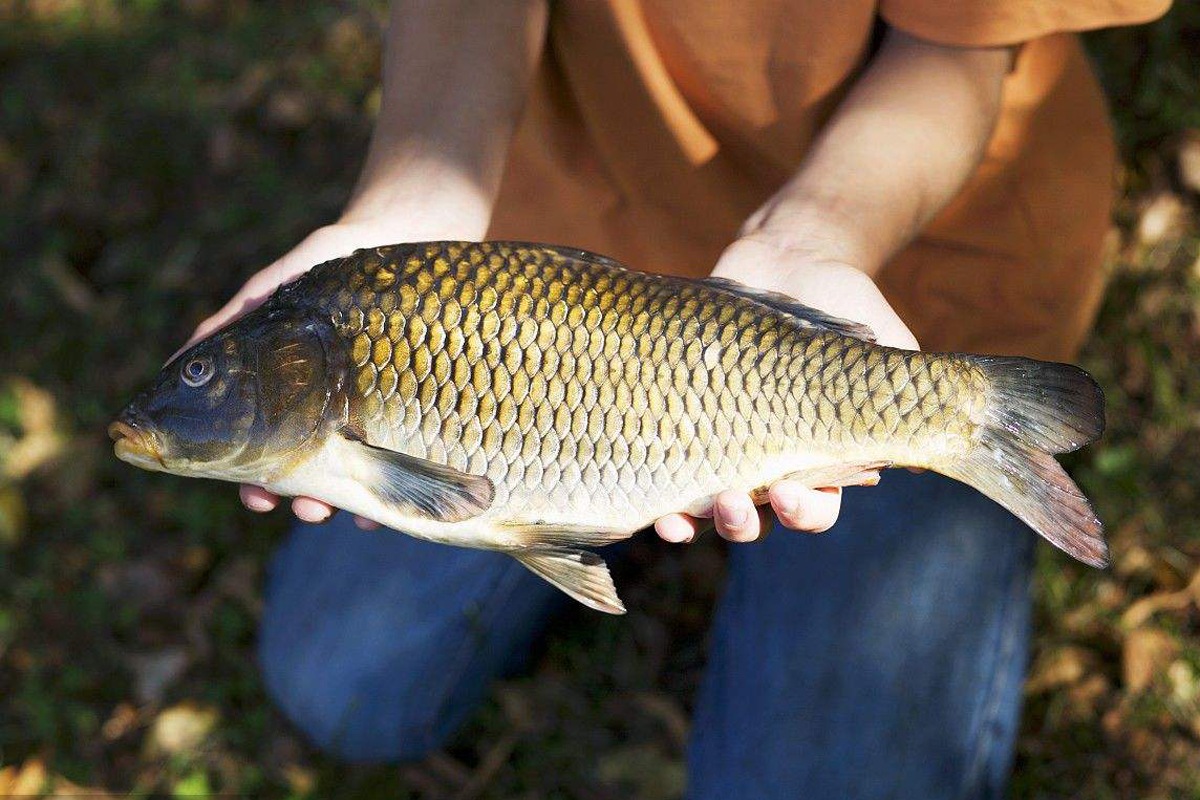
column 197, row 372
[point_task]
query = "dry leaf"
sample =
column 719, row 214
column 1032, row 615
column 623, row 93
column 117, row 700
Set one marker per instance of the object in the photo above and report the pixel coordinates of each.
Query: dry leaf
column 122, row 720
column 40, row 440
column 644, row 770
column 301, row 780
column 66, row 790
column 1059, row 667
column 1162, row 217
column 28, row 780
column 1146, row 607
column 1185, row 683
column 1147, row 653
column 1085, row 696
column 1189, row 161
column 181, row 728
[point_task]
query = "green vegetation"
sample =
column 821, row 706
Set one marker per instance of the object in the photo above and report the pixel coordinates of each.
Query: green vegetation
column 152, row 153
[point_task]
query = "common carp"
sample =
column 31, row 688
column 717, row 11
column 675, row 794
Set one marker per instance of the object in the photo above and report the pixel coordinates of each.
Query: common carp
column 542, row 401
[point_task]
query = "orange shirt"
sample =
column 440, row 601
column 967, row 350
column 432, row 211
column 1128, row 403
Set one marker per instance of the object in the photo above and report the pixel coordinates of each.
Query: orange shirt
column 655, row 127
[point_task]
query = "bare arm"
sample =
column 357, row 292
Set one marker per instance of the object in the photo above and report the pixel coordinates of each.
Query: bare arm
column 455, row 77
column 900, row 146
column 456, row 73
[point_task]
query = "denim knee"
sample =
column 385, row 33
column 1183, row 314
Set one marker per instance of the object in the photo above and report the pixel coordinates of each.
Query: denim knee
column 377, row 645
column 356, row 708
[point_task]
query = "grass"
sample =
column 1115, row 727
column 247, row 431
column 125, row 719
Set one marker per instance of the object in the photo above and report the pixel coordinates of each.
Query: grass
column 153, row 152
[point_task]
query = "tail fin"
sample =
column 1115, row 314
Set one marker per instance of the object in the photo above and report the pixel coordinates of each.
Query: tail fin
column 1037, row 409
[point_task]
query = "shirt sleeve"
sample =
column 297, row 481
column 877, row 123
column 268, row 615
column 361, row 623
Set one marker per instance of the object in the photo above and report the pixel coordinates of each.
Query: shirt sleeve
column 995, row 23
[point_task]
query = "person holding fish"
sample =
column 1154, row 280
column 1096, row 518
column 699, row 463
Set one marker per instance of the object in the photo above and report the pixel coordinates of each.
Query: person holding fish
column 920, row 171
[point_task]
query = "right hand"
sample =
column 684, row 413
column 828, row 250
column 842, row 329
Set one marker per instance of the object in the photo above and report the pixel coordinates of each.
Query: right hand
column 830, row 284
column 323, row 244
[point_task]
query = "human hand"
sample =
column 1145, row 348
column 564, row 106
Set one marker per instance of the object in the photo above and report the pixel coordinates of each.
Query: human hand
column 834, row 286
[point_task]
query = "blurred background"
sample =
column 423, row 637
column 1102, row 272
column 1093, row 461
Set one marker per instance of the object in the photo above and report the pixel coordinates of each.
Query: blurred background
column 154, row 153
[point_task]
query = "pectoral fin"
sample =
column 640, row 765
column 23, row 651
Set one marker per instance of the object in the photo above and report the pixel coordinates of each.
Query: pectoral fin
column 417, row 486
column 580, row 573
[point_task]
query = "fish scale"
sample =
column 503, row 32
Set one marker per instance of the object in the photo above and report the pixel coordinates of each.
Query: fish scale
column 540, row 400
column 580, row 385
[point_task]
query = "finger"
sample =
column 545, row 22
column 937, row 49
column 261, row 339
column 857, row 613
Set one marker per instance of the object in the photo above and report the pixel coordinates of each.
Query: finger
column 311, row 510
column 676, row 528
column 366, row 524
column 257, row 498
column 804, row 509
column 735, row 516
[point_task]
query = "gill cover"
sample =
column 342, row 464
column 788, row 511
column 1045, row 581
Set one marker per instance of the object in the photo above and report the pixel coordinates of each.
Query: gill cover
column 252, row 393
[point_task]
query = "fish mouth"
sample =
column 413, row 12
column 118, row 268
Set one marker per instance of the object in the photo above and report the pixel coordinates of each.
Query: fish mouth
column 134, row 443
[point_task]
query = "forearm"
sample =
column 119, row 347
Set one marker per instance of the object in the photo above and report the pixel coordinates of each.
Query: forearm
column 455, row 75
column 900, row 146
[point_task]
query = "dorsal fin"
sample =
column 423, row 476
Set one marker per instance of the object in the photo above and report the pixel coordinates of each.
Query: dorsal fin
column 806, row 315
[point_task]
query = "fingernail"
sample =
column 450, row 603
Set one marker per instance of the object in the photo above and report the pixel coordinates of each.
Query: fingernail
column 789, row 503
column 735, row 516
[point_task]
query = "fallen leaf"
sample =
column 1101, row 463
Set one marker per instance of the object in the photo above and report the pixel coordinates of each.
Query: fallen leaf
column 301, row 780
column 181, row 728
column 66, row 790
column 40, row 441
column 122, row 720
column 1059, row 667
column 644, row 769
column 1086, row 695
column 1135, row 560
column 1188, row 161
column 1162, row 216
column 1146, row 607
column 1147, row 652
column 1185, row 684
column 28, row 780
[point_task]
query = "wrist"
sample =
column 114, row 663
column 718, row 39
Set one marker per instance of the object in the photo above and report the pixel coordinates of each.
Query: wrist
column 419, row 200
column 822, row 231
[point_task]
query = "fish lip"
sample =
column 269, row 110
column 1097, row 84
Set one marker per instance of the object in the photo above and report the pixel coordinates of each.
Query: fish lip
column 135, row 443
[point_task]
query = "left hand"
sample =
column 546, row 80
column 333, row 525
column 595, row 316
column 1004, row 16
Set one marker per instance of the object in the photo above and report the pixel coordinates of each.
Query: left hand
column 837, row 287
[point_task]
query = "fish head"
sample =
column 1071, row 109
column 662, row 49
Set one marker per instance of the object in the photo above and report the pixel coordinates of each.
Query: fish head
column 240, row 405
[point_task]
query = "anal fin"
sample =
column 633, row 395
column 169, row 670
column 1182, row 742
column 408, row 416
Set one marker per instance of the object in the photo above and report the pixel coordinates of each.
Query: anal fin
column 561, row 534
column 580, row 573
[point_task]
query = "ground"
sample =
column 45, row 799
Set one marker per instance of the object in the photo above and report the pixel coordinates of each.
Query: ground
column 153, row 152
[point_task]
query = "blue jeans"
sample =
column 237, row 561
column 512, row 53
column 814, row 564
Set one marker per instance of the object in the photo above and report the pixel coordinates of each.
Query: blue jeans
column 883, row 659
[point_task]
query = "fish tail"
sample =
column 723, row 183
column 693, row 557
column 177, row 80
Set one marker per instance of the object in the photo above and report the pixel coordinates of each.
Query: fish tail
column 1036, row 409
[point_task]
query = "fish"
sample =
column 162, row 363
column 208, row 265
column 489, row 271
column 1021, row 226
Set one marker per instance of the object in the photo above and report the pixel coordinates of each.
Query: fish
column 544, row 401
